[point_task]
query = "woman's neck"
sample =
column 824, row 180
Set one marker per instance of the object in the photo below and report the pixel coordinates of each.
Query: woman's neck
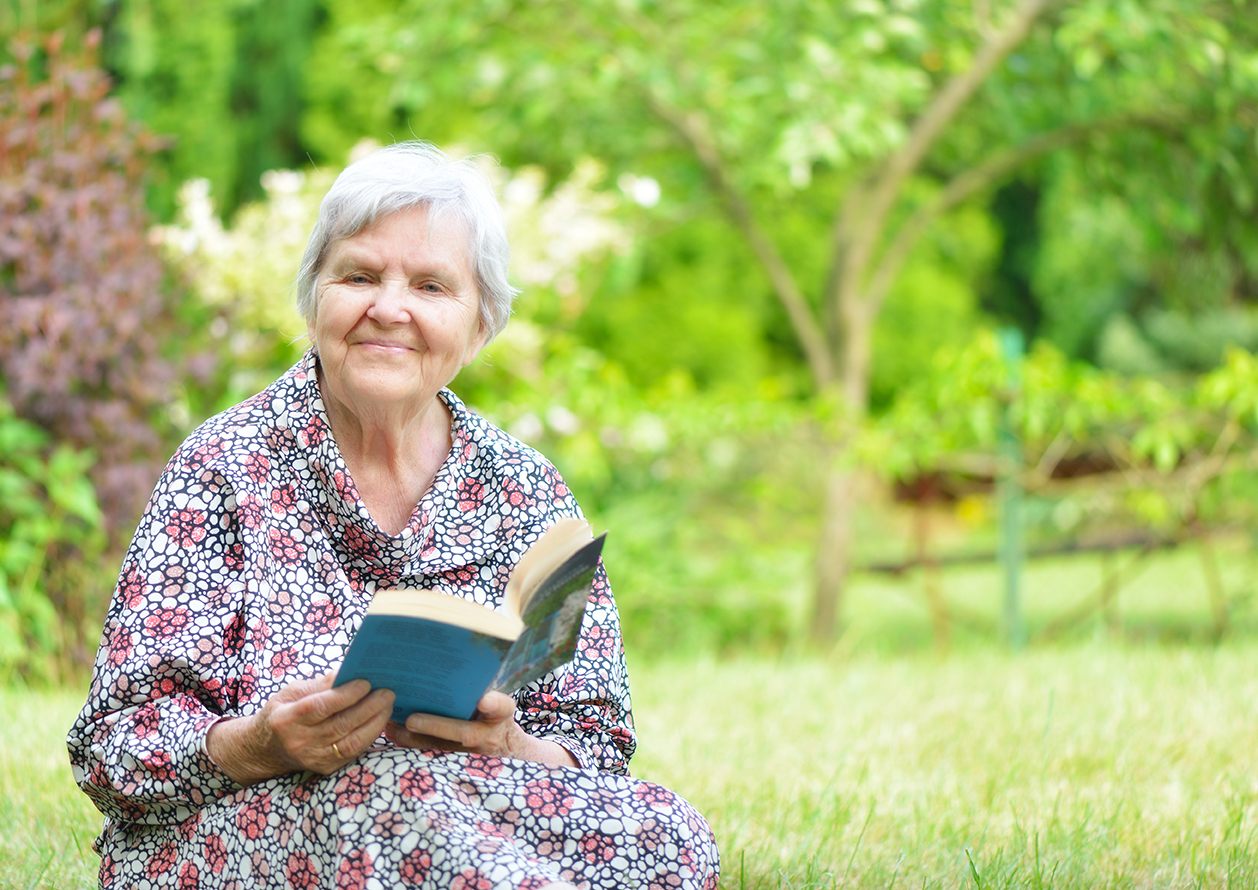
column 393, row 455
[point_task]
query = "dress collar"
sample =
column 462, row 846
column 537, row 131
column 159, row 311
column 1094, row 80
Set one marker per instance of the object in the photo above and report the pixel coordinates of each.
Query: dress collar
column 447, row 529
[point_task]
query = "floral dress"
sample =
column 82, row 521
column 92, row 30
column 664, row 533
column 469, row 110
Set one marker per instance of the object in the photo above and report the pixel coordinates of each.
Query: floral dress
column 252, row 567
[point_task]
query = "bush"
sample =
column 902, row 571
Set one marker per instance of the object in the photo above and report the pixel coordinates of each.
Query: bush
column 51, row 537
column 84, row 309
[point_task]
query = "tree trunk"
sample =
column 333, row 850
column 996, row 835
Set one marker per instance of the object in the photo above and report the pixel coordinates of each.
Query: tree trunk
column 854, row 360
column 834, row 547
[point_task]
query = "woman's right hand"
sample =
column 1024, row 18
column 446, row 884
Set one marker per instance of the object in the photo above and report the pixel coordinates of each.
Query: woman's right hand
column 307, row 725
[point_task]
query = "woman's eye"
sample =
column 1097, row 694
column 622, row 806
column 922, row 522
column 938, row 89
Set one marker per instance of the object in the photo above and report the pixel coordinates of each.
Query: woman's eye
column 358, row 278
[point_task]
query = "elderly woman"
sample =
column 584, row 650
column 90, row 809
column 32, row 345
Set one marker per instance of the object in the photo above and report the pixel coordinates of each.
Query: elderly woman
column 213, row 739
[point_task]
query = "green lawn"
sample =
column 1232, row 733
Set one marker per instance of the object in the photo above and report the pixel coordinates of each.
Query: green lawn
column 1094, row 765
column 1081, row 767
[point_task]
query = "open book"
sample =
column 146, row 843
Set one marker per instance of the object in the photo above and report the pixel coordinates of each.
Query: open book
column 440, row 653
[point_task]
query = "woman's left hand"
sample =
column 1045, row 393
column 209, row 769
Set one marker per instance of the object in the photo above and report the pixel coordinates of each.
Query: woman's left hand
column 492, row 731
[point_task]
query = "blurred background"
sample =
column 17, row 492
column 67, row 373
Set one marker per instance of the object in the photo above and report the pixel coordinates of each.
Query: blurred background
column 889, row 325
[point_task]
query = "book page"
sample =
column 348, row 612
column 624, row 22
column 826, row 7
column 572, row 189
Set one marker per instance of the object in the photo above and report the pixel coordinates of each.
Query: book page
column 552, row 620
column 546, row 554
column 437, row 606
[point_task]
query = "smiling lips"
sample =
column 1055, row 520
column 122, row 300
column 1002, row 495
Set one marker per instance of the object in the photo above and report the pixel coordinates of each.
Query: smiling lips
column 386, row 345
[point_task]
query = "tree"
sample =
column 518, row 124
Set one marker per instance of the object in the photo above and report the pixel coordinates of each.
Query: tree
column 904, row 110
column 222, row 81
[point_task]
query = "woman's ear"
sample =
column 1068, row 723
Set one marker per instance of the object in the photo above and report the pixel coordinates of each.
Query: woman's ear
column 477, row 344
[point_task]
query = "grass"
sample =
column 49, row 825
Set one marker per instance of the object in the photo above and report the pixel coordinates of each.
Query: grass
column 1094, row 766
column 48, row 824
column 1163, row 598
column 1080, row 767
column 1114, row 759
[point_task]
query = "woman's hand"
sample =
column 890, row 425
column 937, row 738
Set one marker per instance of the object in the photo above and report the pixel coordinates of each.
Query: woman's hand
column 307, row 725
column 492, row 731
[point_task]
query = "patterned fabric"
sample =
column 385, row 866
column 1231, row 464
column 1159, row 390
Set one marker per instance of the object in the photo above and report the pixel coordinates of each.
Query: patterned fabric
column 252, row 567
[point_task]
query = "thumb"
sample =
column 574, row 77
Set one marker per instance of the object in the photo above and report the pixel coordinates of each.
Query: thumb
column 495, row 706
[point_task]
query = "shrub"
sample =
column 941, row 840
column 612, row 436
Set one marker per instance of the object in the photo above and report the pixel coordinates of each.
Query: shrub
column 83, row 303
column 51, row 537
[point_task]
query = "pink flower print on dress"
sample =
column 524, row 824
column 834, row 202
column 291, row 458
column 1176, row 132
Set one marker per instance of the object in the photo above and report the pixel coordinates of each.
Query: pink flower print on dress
column 414, row 868
column 186, row 527
column 323, row 616
column 417, row 783
column 300, row 871
column 548, row 798
column 215, row 853
column 284, row 547
column 166, row 622
column 354, row 870
column 188, row 877
column 283, row 500
column 121, row 645
column 132, row 588
column 161, row 861
column 471, row 879
column 470, row 493
column 354, row 787
column 252, row 818
column 657, row 797
column 257, row 467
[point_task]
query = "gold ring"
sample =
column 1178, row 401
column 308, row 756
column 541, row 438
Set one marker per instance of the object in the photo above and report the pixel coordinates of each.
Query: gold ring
column 337, row 751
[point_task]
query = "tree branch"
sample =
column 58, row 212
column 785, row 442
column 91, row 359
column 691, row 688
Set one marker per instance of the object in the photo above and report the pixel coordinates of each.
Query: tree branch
column 693, row 129
column 938, row 114
column 841, row 233
column 695, row 133
column 979, row 177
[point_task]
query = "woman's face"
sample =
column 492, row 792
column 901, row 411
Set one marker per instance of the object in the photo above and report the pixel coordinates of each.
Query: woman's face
column 396, row 314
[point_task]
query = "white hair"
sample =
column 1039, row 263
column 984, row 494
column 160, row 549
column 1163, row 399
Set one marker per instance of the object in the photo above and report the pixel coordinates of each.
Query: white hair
column 413, row 174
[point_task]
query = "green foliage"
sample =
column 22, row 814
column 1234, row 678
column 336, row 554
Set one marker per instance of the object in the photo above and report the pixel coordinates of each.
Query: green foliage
column 1174, row 231
column 934, row 302
column 51, row 534
column 1092, row 260
column 241, row 282
column 74, row 18
column 85, row 311
column 688, row 301
column 349, row 88
column 1140, row 254
column 224, row 80
column 1184, row 450
column 706, row 527
column 552, row 81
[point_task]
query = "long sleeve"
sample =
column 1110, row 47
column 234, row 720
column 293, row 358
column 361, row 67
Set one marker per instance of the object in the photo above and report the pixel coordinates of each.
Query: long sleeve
column 167, row 667
column 585, row 705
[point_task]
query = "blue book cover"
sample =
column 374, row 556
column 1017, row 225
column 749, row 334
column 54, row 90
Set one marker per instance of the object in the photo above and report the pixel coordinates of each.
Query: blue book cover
column 431, row 666
column 440, row 653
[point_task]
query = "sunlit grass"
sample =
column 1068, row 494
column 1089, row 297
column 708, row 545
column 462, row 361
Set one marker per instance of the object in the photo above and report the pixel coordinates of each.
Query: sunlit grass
column 1113, row 759
column 1080, row 767
column 47, row 823
column 1162, row 597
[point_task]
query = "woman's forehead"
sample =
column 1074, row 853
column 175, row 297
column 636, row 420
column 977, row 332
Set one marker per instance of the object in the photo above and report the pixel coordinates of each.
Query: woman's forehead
column 420, row 228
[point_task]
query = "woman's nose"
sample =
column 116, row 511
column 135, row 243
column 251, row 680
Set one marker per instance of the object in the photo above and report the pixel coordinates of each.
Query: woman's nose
column 388, row 305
